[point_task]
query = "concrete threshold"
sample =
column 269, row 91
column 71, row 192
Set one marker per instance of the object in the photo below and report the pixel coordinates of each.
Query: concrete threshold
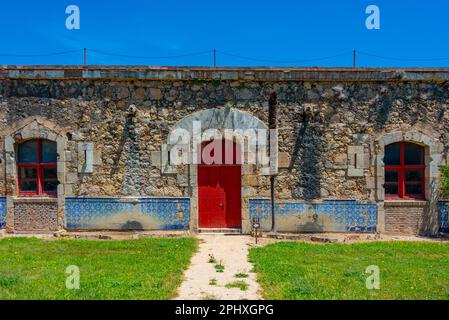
column 226, row 231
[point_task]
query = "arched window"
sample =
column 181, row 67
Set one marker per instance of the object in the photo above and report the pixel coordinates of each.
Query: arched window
column 404, row 171
column 36, row 166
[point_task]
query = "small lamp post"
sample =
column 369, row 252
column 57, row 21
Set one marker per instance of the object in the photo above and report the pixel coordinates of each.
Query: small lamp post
column 255, row 224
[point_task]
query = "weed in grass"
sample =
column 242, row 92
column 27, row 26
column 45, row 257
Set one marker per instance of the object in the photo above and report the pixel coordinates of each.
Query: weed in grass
column 115, row 283
column 241, row 275
column 211, row 258
column 242, row 285
column 209, row 297
column 8, row 280
column 219, row 267
column 350, row 273
column 301, row 286
column 213, row 282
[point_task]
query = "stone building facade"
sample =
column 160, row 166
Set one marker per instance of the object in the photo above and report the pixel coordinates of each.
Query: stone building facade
column 104, row 130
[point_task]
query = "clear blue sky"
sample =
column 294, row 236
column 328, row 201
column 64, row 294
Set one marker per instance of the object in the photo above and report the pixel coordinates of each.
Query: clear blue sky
column 272, row 30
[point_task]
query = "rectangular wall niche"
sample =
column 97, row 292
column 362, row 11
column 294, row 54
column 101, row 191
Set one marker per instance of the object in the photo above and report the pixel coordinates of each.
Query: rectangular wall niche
column 85, row 157
column 356, row 161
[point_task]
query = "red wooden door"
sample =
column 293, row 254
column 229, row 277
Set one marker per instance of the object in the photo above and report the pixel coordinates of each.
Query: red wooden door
column 219, row 195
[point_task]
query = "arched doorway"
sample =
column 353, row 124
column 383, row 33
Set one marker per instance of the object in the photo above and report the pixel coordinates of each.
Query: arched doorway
column 219, row 185
column 241, row 124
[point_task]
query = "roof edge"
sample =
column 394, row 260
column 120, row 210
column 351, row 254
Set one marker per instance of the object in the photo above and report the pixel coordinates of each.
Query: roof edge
column 224, row 73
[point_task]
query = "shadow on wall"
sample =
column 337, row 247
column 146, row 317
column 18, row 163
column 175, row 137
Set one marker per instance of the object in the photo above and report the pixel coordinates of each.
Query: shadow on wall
column 129, row 146
column 132, row 178
column 132, row 225
column 381, row 113
column 121, row 145
column 305, row 221
column 307, row 156
column 402, row 102
column 430, row 224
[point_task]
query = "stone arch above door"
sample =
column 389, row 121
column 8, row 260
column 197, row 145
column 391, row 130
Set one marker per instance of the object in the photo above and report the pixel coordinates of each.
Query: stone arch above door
column 240, row 124
column 221, row 118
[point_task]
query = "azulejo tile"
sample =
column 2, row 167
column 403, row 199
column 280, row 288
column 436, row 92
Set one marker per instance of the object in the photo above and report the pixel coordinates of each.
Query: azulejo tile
column 346, row 215
column 443, row 216
column 2, row 212
column 123, row 213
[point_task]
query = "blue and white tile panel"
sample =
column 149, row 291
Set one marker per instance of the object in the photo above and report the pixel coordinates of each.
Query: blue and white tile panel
column 127, row 213
column 326, row 216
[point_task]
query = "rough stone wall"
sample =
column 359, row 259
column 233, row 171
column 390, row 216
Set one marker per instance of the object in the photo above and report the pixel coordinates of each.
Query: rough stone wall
column 317, row 120
column 35, row 214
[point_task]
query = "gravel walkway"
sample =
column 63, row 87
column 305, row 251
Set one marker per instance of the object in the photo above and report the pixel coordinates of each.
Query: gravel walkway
column 202, row 281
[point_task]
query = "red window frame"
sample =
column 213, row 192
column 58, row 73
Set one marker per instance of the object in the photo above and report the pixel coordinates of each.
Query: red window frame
column 39, row 166
column 401, row 169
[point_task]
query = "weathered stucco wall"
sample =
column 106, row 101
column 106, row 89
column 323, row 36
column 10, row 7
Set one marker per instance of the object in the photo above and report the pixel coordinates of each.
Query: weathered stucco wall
column 327, row 119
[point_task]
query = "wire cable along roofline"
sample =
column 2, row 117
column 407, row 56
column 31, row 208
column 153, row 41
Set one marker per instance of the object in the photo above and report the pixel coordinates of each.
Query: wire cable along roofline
column 40, row 55
column 214, row 53
column 152, row 57
column 285, row 61
column 400, row 59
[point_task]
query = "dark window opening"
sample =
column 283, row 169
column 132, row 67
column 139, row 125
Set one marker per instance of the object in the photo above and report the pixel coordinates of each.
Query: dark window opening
column 37, row 169
column 404, row 171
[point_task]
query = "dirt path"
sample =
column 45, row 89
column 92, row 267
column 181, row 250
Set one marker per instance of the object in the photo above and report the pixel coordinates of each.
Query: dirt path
column 232, row 252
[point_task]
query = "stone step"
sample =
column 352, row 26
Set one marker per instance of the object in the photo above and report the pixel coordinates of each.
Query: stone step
column 219, row 231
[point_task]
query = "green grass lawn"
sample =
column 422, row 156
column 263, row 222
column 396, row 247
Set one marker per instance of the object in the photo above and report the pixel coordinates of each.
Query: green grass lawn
column 32, row 268
column 408, row 270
